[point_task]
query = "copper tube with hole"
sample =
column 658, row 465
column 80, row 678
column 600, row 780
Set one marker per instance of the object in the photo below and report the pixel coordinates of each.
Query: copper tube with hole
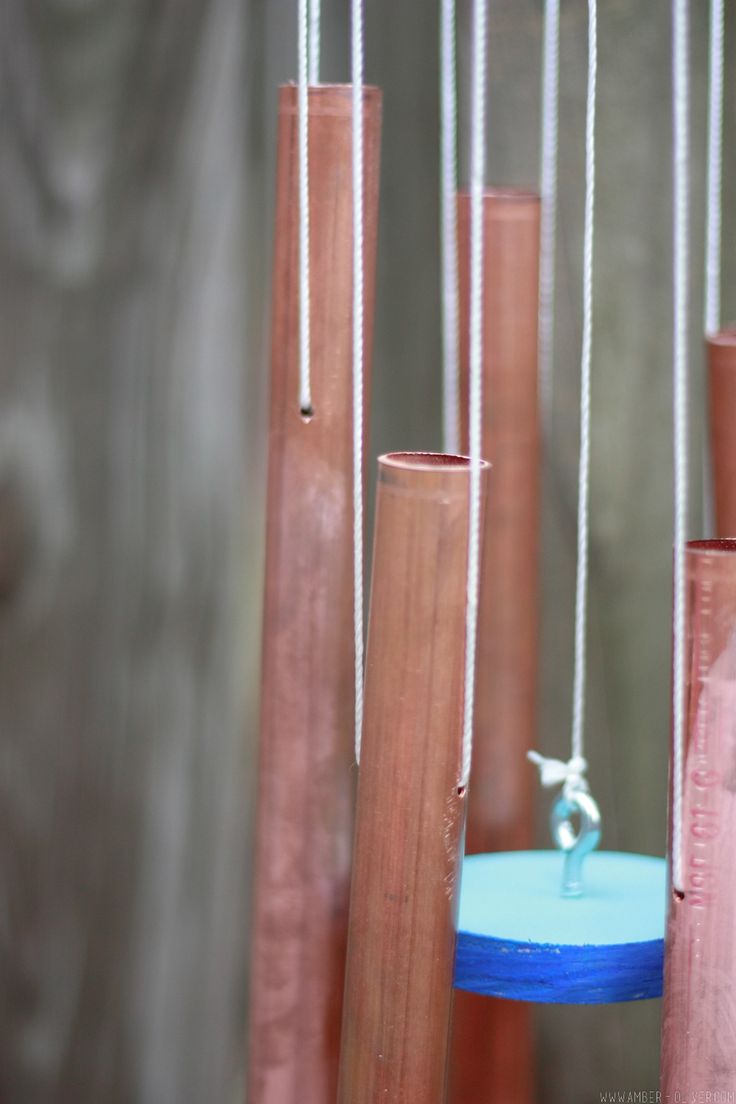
column 306, row 768
column 721, row 358
column 401, row 947
column 493, row 1047
column 699, row 1011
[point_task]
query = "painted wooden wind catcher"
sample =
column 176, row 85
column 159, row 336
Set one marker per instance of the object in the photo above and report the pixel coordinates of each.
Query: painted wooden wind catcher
column 306, row 773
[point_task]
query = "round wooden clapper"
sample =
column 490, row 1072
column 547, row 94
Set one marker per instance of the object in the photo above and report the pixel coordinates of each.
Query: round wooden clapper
column 520, row 937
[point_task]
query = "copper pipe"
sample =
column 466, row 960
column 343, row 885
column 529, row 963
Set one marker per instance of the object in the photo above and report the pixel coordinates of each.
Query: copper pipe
column 411, row 811
column 699, row 1013
column 721, row 356
column 305, row 787
column 492, row 1056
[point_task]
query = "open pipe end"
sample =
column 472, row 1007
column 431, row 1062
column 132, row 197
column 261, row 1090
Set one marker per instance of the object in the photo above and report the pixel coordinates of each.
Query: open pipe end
column 427, row 461
column 722, row 545
column 507, row 193
column 726, row 336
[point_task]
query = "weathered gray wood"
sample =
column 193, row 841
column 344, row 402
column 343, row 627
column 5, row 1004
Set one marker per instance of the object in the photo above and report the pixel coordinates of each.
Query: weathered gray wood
column 122, row 467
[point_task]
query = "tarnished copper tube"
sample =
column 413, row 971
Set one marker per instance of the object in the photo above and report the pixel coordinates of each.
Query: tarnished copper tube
column 492, row 1053
column 721, row 356
column 699, row 1015
column 305, row 788
column 401, row 947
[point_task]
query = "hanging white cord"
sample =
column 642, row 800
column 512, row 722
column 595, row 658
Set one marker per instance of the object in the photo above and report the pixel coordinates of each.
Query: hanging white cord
column 581, row 586
column 715, row 170
column 548, row 190
column 356, row 65
column 305, row 384
column 314, row 40
column 681, row 97
column 448, row 185
column 477, row 174
column 572, row 772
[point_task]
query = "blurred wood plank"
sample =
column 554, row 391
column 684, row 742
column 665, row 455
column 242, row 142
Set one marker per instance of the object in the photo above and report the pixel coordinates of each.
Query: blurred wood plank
column 122, row 449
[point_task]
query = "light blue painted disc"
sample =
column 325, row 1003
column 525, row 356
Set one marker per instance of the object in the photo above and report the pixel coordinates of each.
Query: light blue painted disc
column 520, row 938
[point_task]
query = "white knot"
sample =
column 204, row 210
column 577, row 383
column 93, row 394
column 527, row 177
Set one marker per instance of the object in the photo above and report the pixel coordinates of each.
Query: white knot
column 555, row 772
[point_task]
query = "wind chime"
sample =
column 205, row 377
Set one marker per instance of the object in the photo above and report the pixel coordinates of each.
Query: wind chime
column 452, row 570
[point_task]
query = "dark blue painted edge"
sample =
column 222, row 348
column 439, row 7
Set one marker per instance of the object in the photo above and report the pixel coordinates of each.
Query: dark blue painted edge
column 548, row 973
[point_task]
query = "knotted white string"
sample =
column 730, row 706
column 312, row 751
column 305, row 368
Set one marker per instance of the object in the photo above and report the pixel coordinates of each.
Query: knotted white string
column 583, row 535
column 555, row 772
column 356, row 65
column 477, row 174
column 305, row 384
column 548, row 191
column 715, row 170
column 681, row 187
column 448, row 186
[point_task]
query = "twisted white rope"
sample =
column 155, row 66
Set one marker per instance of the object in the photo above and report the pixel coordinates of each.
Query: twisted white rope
column 305, row 384
column 448, row 186
column 681, row 152
column 581, row 587
column 583, row 535
column 477, row 173
column 356, row 65
column 548, row 191
column 314, row 40
column 715, row 170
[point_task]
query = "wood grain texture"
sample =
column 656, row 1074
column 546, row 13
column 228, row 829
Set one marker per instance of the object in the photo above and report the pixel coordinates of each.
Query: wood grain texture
column 699, row 1011
column 721, row 366
column 492, row 1041
column 410, row 817
column 305, row 774
column 123, row 477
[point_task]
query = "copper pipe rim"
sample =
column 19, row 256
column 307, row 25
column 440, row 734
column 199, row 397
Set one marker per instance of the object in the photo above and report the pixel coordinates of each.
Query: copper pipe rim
column 333, row 86
column 726, row 336
column 326, row 99
column 723, row 545
column 428, row 461
column 510, row 192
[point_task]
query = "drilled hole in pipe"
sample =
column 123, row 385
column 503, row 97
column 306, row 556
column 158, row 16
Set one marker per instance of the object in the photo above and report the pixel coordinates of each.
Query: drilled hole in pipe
column 461, row 791
column 678, row 894
column 307, row 413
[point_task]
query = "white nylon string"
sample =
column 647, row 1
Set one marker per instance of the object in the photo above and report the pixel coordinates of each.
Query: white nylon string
column 448, row 185
column 477, row 174
column 314, row 40
column 681, row 150
column 305, row 383
column 715, row 170
column 581, row 587
column 548, row 191
column 356, row 65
